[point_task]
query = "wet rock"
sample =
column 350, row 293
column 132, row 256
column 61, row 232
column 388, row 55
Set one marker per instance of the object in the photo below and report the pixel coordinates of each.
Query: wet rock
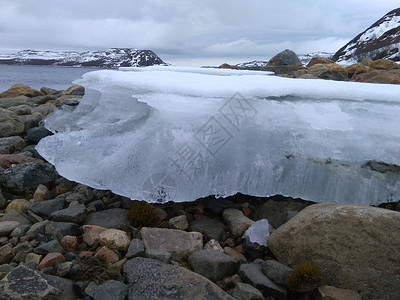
column 244, row 291
column 46, row 208
column 25, row 177
column 210, row 228
column 109, row 289
column 212, row 264
column 151, row 279
column 252, row 274
column 72, row 214
column 25, row 283
column 179, row 244
column 237, row 221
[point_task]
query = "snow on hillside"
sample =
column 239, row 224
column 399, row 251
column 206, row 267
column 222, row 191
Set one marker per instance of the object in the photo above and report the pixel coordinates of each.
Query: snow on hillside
column 380, row 40
column 111, row 58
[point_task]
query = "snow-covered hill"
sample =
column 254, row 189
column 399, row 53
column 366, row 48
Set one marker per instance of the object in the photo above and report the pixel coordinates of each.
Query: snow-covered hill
column 380, row 40
column 305, row 58
column 111, row 58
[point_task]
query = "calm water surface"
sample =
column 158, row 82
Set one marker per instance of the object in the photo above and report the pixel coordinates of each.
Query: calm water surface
column 58, row 78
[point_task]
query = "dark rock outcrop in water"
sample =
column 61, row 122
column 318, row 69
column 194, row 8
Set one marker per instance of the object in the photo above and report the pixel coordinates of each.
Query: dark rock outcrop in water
column 380, row 40
column 111, row 58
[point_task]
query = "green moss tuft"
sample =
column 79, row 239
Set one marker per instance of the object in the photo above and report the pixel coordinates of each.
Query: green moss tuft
column 142, row 214
column 305, row 277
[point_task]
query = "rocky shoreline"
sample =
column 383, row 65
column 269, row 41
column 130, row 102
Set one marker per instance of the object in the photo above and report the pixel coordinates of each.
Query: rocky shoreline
column 63, row 240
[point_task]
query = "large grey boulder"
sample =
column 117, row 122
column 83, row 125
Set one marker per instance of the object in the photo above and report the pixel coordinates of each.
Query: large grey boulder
column 357, row 247
column 109, row 289
column 25, row 283
column 179, row 244
column 213, row 264
column 152, row 279
column 285, row 58
column 25, row 177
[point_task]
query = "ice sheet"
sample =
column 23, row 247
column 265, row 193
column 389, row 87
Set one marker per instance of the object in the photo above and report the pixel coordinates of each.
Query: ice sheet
column 165, row 133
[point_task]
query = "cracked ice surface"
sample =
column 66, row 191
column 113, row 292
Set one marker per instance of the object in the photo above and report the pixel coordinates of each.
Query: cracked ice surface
column 168, row 133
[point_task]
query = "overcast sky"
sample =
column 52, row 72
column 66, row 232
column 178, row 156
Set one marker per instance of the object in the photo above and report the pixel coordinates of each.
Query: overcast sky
column 188, row 32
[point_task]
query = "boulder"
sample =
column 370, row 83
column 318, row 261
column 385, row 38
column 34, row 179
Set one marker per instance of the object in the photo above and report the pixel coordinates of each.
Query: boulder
column 109, row 289
column 355, row 246
column 319, row 60
column 6, row 160
column 328, row 71
column 152, row 279
column 11, row 144
column 136, row 248
column 72, row 214
column 10, row 123
column 252, row 274
column 378, row 76
column 63, row 284
column 117, row 218
column 210, row 228
column 237, row 221
column 356, row 69
column 327, row 292
column 16, row 101
column 25, row 177
column 34, row 135
column 76, row 90
column 285, row 58
column 7, row 226
column 19, row 205
column 25, row 283
column 213, row 264
column 383, row 64
column 20, row 89
column 180, row 244
column 276, row 271
column 115, row 239
column 47, row 207
column 244, row 291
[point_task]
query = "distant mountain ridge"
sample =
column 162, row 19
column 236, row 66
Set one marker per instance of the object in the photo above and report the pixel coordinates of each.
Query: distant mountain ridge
column 380, row 40
column 111, row 58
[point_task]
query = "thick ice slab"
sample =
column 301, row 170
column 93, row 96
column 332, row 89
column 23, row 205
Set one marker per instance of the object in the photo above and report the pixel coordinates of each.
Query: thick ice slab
column 167, row 133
